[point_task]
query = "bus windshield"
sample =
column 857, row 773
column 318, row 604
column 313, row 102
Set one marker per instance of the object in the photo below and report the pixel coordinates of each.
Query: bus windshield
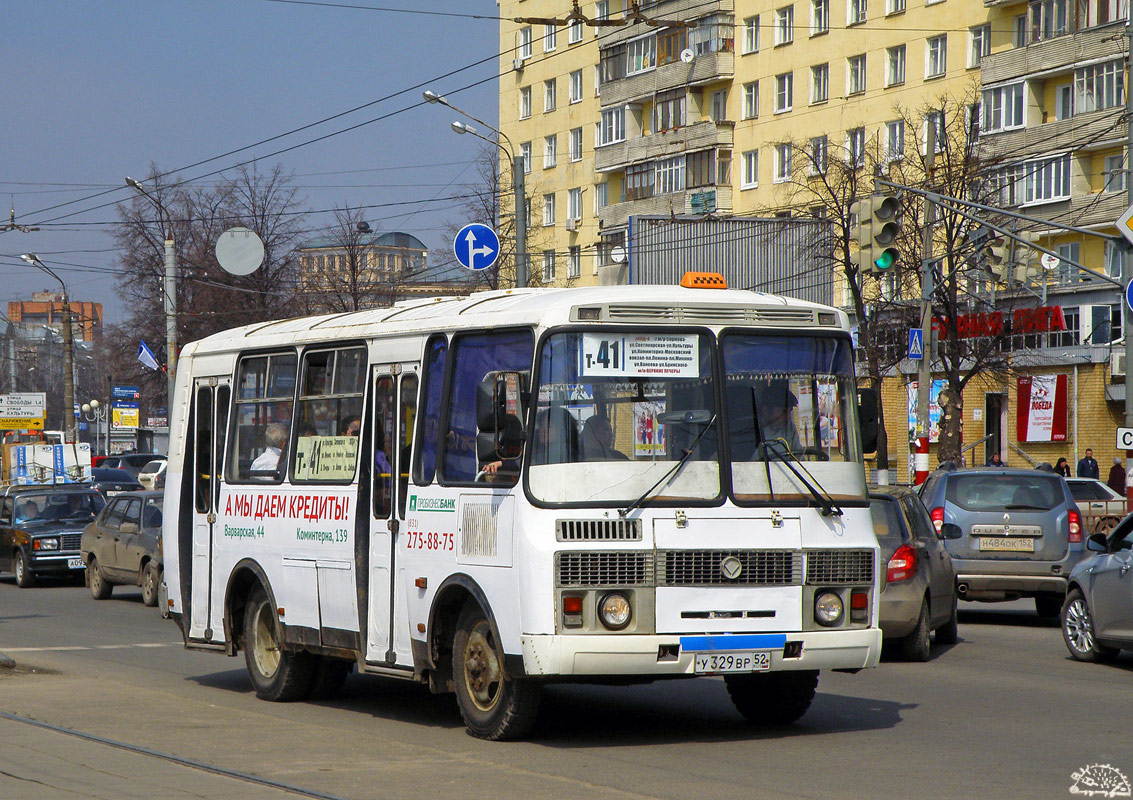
column 616, row 413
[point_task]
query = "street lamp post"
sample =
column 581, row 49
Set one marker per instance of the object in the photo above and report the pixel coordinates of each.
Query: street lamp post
column 68, row 350
column 95, row 412
column 170, row 293
column 517, row 182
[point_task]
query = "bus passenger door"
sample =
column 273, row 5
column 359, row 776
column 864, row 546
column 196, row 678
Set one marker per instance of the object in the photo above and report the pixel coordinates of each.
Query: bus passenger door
column 394, row 412
column 211, row 400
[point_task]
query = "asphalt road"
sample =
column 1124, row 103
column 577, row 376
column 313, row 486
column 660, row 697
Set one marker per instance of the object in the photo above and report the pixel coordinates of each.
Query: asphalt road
column 1003, row 714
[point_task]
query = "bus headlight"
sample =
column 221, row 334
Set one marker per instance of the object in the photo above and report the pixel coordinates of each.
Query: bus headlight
column 614, row 611
column 828, row 609
column 49, row 543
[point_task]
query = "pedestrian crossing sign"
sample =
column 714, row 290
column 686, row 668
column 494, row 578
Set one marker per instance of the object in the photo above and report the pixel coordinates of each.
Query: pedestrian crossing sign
column 916, row 344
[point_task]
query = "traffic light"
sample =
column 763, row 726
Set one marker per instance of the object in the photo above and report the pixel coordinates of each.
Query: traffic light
column 876, row 232
column 999, row 258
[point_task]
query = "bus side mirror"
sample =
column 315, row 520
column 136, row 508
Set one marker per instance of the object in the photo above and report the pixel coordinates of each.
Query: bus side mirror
column 867, row 419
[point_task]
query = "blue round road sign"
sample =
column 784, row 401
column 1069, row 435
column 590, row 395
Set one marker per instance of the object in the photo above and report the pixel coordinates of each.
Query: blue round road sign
column 476, row 246
column 1129, row 295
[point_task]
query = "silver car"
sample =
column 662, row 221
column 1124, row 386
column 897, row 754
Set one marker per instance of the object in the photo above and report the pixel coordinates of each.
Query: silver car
column 1097, row 617
column 1021, row 533
column 919, row 592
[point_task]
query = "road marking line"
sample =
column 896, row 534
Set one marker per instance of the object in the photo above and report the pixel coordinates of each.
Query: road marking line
column 70, row 648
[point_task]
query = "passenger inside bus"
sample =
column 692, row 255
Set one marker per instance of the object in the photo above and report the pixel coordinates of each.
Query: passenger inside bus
column 774, row 403
column 267, row 462
column 350, row 426
column 598, row 440
column 556, row 437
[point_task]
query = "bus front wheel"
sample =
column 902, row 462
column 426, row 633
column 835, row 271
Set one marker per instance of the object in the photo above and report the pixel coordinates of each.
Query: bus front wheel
column 772, row 698
column 494, row 706
column 278, row 675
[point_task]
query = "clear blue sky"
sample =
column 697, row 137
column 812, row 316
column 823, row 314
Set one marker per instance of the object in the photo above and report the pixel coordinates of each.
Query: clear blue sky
column 94, row 90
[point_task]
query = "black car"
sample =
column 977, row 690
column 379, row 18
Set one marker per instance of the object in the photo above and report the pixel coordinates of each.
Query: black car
column 131, row 462
column 41, row 528
column 110, row 481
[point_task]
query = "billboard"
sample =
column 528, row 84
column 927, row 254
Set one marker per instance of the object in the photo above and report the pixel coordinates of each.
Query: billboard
column 1042, row 409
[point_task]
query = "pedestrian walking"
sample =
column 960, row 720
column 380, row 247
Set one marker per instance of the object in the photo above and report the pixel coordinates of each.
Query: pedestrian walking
column 1116, row 480
column 1062, row 468
column 1088, row 467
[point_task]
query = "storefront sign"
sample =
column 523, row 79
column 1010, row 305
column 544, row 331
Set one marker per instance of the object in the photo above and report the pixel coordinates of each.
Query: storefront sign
column 1042, row 409
column 995, row 323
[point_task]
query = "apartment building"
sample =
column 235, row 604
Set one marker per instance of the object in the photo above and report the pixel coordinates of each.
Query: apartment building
column 640, row 119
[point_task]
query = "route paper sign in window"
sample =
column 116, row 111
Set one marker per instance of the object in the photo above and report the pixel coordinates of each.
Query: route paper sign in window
column 669, row 355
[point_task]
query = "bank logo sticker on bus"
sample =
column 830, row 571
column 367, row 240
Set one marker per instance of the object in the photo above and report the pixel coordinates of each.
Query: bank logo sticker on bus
column 656, row 355
column 440, row 504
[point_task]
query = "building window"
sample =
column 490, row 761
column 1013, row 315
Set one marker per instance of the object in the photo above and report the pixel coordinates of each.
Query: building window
column 574, row 32
column 597, row 80
column 548, row 210
column 525, row 152
column 1114, row 173
column 895, row 73
column 525, row 102
column 855, row 12
column 549, row 95
column 641, row 55
column 525, row 42
column 979, row 44
column 1100, row 12
column 700, row 169
column 550, row 151
column 576, row 144
column 1049, row 18
column 612, row 63
column 718, row 109
column 782, row 162
column 818, row 155
column 751, row 100
column 724, row 167
column 574, row 204
column 751, row 170
column 670, row 175
column 751, row 35
column 1070, row 252
column 784, row 25
column 1007, row 185
column 550, row 32
column 670, row 43
column 1064, row 101
column 548, row 266
column 574, row 262
column 601, row 11
column 1099, row 86
column 576, row 86
column 601, row 196
column 639, row 181
column 894, row 6
column 895, row 139
column 612, row 128
column 713, row 34
column 936, row 59
column 855, row 74
column 669, row 110
column 819, row 83
column 1048, row 180
column 855, row 146
column 1114, row 259
column 1002, row 109
column 819, row 16
column 784, row 92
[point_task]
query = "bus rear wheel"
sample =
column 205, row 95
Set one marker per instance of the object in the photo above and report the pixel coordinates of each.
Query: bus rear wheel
column 494, row 706
column 278, row 675
column 772, row 698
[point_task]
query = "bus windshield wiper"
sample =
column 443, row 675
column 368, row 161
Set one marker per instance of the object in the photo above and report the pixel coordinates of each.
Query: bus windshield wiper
column 668, row 476
column 820, row 495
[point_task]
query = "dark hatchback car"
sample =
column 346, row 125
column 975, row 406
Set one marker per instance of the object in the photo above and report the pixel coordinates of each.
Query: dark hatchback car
column 131, row 462
column 1021, row 533
column 919, row 592
column 111, row 481
column 41, row 529
column 123, row 546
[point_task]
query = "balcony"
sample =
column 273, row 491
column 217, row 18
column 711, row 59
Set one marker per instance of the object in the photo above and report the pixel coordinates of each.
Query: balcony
column 666, row 9
column 1081, row 132
column 1061, row 52
column 705, row 68
column 690, row 201
column 690, row 138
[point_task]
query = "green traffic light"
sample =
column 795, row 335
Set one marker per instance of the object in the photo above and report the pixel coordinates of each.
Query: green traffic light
column 885, row 260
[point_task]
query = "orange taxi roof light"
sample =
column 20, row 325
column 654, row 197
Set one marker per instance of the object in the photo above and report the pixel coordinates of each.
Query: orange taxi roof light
column 704, row 280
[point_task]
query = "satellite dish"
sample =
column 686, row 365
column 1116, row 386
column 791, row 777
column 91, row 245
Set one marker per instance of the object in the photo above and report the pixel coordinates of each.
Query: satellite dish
column 239, row 251
column 618, row 254
column 687, row 56
column 1049, row 262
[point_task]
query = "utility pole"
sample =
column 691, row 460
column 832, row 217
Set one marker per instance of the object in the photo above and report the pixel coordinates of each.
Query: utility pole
column 1126, row 268
column 924, row 369
column 68, row 350
column 520, row 194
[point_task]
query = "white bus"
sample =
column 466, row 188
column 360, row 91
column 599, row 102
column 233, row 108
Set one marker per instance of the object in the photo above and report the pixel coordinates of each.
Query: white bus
column 489, row 493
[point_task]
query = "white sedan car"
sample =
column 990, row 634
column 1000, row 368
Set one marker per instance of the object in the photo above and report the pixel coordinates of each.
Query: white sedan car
column 153, row 474
column 1100, row 505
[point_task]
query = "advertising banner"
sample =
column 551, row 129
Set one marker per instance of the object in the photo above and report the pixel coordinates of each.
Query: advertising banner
column 124, row 418
column 933, row 409
column 1042, row 409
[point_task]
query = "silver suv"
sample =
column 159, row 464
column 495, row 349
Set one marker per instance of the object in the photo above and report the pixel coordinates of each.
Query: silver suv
column 1020, row 533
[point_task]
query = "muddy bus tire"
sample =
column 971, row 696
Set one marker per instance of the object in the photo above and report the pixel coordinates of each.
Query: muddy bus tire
column 494, row 706
column 772, row 698
column 278, row 675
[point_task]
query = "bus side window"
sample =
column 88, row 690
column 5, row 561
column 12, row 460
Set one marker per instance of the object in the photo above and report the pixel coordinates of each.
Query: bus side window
column 409, row 386
column 264, row 396
column 328, row 415
column 384, row 410
column 436, row 356
column 204, row 448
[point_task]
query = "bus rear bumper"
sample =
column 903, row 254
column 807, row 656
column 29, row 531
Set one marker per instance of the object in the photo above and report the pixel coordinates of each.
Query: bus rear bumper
column 668, row 655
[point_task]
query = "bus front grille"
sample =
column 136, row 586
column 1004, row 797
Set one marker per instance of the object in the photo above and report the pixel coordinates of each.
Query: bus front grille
column 839, row 567
column 623, row 568
column 729, row 568
column 598, row 530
